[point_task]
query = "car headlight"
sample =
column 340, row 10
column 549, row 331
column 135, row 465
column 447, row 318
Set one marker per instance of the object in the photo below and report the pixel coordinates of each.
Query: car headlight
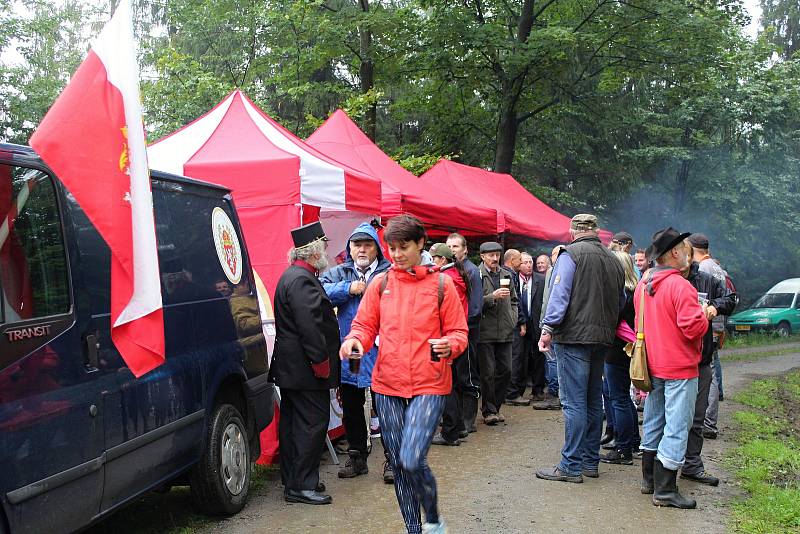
column 763, row 320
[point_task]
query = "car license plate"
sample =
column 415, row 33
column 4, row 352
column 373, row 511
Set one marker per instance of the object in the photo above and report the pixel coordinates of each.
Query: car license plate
column 743, row 327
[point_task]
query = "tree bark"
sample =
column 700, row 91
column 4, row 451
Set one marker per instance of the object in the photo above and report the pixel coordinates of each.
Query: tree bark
column 506, row 135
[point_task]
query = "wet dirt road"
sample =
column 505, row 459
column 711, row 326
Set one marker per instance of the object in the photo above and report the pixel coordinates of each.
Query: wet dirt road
column 488, row 485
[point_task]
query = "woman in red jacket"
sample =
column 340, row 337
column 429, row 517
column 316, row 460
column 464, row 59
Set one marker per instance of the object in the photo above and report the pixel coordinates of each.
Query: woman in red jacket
column 414, row 304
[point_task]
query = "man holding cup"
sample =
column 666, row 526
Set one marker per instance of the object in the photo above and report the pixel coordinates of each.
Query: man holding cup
column 499, row 319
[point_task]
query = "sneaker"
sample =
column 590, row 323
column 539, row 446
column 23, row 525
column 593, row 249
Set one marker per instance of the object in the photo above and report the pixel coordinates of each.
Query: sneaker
column 610, row 446
column 637, row 454
column 435, row 528
column 702, row 478
column 618, row 457
column 591, row 473
column 388, row 473
column 491, row 419
column 374, row 427
column 501, row 418
column 549, row 403
column 518, row 401
column 439, row 439
column 554, row 473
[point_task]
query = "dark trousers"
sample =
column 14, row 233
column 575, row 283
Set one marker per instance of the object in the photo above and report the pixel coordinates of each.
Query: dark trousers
column 625, row 418
column 303, row 424
column 693, row 464
column 453, row 416
column 520, row 365
column 495, row 365
column 355, row 426
column 536, row 367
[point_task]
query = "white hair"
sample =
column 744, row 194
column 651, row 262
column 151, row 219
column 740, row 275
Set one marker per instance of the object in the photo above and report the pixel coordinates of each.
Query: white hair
column 304, row 253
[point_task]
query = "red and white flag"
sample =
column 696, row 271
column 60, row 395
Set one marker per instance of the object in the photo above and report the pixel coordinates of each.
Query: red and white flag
column 93, row 139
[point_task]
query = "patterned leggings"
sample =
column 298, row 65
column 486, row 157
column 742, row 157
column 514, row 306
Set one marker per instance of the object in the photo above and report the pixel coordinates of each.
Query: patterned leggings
column 407, row 428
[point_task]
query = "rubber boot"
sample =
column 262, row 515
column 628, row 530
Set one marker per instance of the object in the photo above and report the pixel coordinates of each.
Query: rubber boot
column 355, row 465
column 666, row 488
column 648, row 457
column 469, row 412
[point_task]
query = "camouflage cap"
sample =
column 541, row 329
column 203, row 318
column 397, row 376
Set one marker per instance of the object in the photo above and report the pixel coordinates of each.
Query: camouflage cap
column 440, row 249
column 584, row 222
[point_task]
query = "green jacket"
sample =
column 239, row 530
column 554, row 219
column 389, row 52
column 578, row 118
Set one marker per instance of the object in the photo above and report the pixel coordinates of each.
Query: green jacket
column 500, row 316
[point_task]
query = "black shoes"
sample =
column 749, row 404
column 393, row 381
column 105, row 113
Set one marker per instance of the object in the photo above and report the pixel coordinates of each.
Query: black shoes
column 388, row 473
column 709, row 434
column 666, row 488
column 356, row 465
column 554, row 473
column 306, row 497
column 608, row 437
column 439, row 439
column 618, row 457
column 702, row 478
column 591, row 473
column 648, row 461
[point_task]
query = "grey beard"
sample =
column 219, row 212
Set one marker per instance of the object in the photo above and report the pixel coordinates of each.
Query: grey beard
column 363, row 262
column 321, row 264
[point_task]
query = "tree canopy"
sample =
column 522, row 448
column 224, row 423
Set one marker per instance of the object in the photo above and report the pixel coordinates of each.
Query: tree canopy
column 647, row 112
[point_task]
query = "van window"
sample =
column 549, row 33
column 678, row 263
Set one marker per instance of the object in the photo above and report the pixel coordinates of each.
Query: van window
column 190, row 268
column 33, row 267
column 775, row 300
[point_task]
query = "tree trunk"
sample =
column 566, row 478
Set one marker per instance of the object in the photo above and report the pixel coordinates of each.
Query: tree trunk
column 506, row 135
column 366, row 73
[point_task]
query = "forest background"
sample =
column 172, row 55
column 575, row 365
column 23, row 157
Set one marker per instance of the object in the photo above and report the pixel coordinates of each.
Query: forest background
column 647, row 112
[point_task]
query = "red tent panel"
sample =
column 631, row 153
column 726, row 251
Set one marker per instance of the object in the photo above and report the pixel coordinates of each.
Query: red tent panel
column 341, row 139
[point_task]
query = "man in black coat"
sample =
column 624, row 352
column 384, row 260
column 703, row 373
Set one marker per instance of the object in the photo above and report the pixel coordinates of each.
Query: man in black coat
column 721, row 302
column 527, row 360
column 305, row 365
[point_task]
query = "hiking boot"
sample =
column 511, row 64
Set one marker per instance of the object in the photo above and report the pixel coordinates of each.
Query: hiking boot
column 356, row 465
column 518, row 401
column 550, row 402
column 608, row 437
column 666, row 488
column 709, row 434
column 491, row 419
column 554, row 473
column 618, row 457
column 388, row 473
column 648, row 458
column 702, row 478
column 439, row 439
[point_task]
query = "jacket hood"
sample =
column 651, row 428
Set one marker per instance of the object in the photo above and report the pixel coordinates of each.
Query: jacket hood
column 657, row 277
column 364, row 228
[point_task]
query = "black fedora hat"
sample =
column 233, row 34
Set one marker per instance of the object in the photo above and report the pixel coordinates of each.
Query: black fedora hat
column 307, row 234
column 664, row 240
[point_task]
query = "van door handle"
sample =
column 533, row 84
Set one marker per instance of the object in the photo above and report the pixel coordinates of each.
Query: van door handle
column 92, row 349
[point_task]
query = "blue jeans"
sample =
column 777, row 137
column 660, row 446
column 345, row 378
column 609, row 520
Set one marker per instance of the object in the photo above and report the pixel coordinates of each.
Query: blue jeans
column 407, row 428
column 626, row 420
column 668, row 414
column 551, row 373
column 580, row 376
column 607, row 408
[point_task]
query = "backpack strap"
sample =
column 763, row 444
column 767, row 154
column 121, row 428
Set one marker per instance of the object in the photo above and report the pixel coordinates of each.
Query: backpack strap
column 384, row 283
column 441, row 289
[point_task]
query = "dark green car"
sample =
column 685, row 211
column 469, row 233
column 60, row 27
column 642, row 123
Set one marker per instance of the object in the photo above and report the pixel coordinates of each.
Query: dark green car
column 777, row 311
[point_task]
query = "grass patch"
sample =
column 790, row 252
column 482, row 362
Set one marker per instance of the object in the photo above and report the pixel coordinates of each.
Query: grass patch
column 759, row 339
column 749, row 356
column 767, row 460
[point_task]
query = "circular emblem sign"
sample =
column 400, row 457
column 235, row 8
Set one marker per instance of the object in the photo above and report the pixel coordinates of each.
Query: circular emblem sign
column 226, row 241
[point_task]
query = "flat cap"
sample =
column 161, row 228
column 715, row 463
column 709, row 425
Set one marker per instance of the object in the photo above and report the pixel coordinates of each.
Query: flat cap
column 491, row 246
column 698, row 240
column 440, row 249
column 584, row 221
column 361, row 236
column 623, row 238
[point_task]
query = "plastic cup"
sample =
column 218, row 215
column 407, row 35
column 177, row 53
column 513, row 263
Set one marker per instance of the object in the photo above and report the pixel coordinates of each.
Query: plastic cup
column 355, row 362
column 505, row 282
column 434, row 355
column 702, row 298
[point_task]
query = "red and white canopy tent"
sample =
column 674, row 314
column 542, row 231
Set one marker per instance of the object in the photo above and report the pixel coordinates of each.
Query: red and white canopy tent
column 525, row 215
column 278, row 181
column 442, row 212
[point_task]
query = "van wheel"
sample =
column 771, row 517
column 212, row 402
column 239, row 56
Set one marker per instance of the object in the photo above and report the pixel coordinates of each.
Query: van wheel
column 784, row 329
column 221, row 480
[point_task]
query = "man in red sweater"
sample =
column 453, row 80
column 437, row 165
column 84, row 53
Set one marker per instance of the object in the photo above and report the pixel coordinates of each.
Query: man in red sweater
column 674, row 325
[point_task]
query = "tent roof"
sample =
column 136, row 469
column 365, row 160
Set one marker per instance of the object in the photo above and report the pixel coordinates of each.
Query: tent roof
column 525, row 214
column 275, row 167
column 340, row 138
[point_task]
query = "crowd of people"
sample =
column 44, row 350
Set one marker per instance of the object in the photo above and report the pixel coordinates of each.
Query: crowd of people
column 431, row 339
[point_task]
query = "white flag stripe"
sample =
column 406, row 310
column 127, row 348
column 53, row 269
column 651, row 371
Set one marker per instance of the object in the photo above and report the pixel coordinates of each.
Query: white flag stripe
column 321, row 183
column 170, row 154
column 115, row 48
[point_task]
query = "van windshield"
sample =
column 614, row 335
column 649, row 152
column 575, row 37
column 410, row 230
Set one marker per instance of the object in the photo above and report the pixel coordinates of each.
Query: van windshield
column 775, row 300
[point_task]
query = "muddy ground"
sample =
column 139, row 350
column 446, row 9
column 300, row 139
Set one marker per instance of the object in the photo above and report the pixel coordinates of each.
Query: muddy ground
column 485, row 485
